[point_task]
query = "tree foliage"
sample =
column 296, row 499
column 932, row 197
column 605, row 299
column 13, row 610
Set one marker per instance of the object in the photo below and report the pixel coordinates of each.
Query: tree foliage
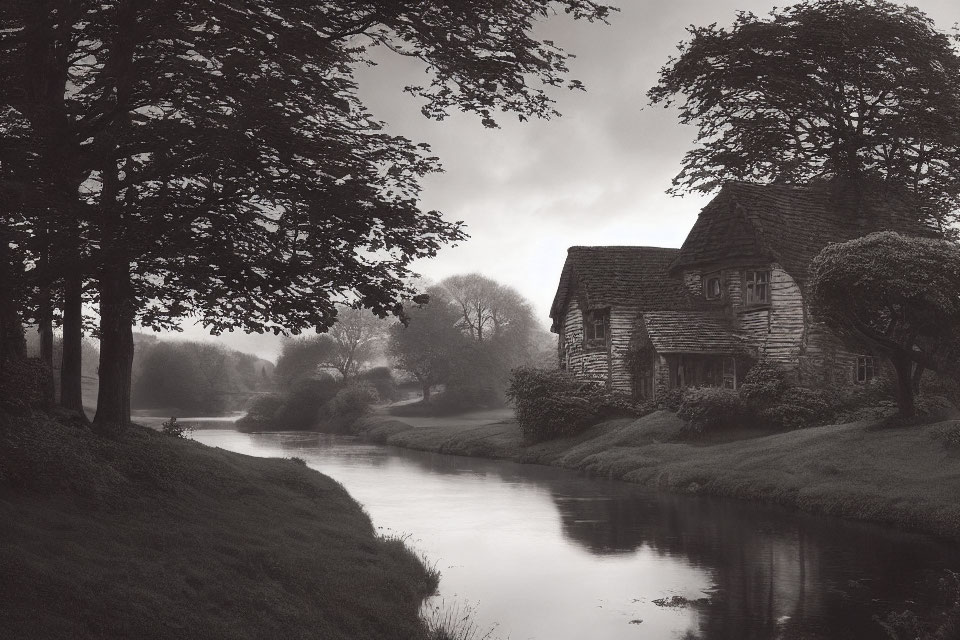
column 489, row 310
column 429, row 342
column 358, row 336
column 861, row 89
column 196, row 377
column 350, row 345
column 210, row 159
column 300, row 358
column 471, row 334
column 897, row 295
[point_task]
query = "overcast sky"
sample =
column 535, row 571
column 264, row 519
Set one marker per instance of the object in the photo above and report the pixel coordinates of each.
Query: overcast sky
column 595, row 176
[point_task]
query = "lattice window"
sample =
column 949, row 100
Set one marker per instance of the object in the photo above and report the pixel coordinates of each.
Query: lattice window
column 756, row 287
column 596, row 327
column 712, row 289
column 866, row 369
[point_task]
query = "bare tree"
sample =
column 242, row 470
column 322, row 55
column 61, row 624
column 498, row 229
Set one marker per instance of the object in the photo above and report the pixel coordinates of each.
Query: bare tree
column 358, row 336
column 488, row 309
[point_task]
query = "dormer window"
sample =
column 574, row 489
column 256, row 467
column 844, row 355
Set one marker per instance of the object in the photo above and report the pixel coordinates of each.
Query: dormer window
column 596, row 323
column 711, row 287
column 756, row 287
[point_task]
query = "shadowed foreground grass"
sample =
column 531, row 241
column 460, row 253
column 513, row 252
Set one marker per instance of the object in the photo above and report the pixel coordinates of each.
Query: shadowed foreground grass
column 150, row 536
column 908, row 477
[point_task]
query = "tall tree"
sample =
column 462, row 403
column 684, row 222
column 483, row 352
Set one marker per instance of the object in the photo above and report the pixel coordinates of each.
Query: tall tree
column 866, row 90
column 12, row 344
column 358, row 337
column 488, row 309
column 232, row 172
column 42, row 46
column 429, row 342
column 897, row 295
column 301, row 357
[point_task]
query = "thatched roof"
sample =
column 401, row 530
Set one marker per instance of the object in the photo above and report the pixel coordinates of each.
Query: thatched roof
column 619, row 276
column 789, row 224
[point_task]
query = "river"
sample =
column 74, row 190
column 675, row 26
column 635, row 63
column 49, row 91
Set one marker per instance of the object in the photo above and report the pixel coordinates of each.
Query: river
column 539, row 552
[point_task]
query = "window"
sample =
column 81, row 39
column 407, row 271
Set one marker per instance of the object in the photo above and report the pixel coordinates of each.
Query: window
column 595, row 327
column 866, row 368
column 756, row 287
column 711, row 287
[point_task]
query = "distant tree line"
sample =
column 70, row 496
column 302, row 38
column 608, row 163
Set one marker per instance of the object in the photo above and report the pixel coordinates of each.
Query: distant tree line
column 466, row 339
column 196, row 377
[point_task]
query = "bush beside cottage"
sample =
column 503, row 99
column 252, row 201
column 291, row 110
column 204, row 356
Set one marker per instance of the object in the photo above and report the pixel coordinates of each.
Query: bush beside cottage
column 550, row 403
column 553, row 403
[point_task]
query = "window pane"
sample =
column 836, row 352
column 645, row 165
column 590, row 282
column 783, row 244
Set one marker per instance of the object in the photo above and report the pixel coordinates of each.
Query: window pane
column 713, row 287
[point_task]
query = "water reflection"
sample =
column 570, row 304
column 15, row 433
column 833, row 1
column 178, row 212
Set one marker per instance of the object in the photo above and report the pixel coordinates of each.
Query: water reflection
column 550, row 554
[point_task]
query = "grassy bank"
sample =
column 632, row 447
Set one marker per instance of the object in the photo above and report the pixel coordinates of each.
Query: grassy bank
column 151, row 536
column 908, row 477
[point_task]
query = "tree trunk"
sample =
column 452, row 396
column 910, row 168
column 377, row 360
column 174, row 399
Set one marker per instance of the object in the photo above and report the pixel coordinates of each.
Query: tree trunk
column 116, row 349
column 12, row 344
column 904, row 368
column 917, row 376
column 426, row 391
column 45, row 329
column 45, row 318
column 71, row 384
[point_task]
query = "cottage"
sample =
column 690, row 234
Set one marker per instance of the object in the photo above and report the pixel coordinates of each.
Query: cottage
column 646, row 319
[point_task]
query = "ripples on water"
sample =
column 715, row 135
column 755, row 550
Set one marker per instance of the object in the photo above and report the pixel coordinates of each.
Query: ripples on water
column 549, row 554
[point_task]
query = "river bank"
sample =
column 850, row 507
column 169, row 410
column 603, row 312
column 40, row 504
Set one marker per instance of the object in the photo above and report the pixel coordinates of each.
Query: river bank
column 906, row 477
column 151, row 536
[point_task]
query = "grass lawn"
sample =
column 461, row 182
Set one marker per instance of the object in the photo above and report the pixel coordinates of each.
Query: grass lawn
column 489, row 433
column 150, row 536
column 908, row 476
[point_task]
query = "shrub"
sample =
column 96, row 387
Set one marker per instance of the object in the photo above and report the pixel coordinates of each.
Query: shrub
column 301, row 407
column 175, row 429
column 265, row 405
column 350, row 404
column 550, row 403
column 260, row 415
column 772, row 403
column 949, row 435
column 23, row 384
column 763, row 385
column 710, row 408
column 669, row 399
column 935, row 408
column 381, row 379
column 797, row 407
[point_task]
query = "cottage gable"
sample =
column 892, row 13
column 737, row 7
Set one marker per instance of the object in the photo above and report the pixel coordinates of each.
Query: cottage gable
column 604, row 277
